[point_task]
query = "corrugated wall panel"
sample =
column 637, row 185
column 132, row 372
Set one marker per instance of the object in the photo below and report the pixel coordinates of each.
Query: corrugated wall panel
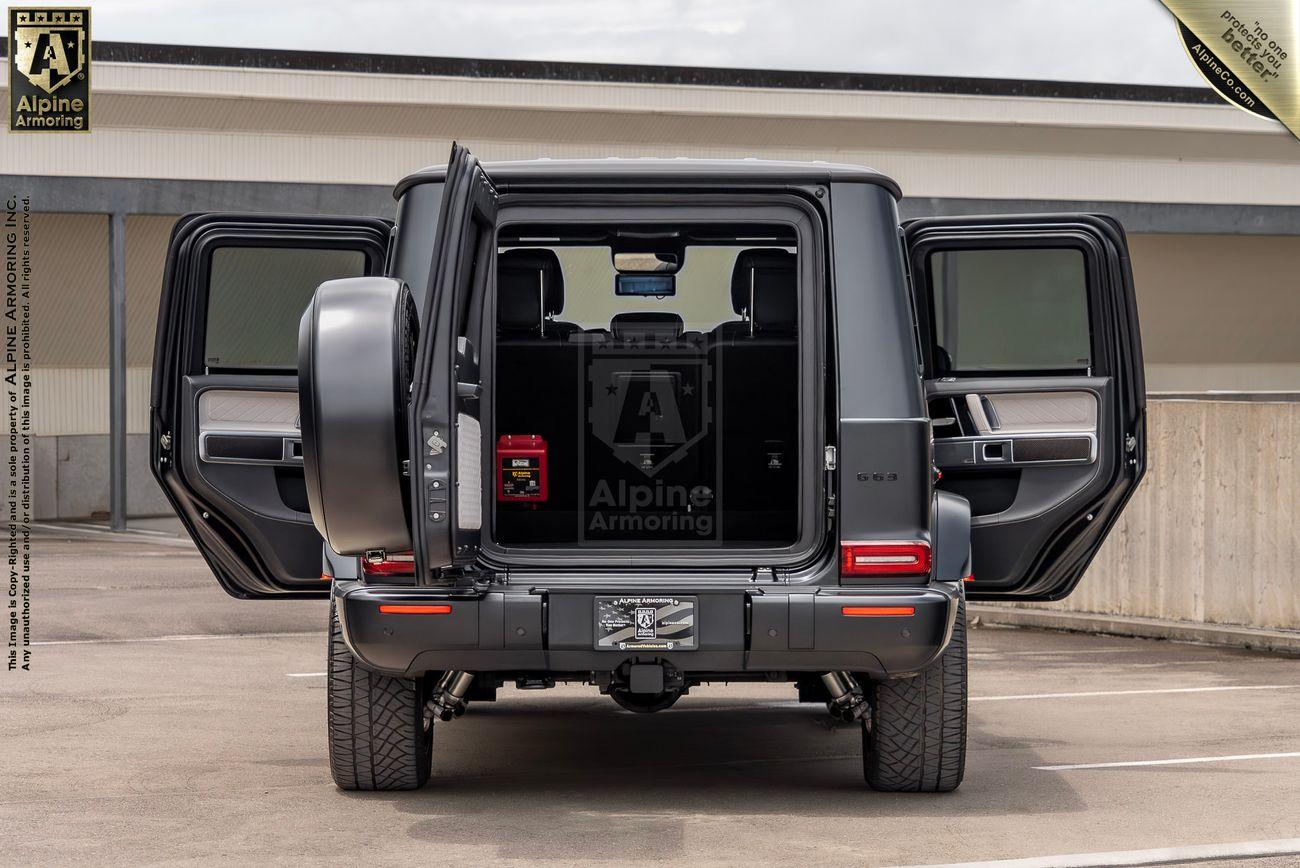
column 75, row 400
column 922, row 170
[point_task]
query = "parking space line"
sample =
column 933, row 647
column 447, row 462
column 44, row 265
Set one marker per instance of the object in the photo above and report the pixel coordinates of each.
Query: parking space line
column 1171, row 762
column 305, row 674
column 1082, row 693
column 199, row 637
column 1155, row 856
column 1066, row 653
column 138, row 535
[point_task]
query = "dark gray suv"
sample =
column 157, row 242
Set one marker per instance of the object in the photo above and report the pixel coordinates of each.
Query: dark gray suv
column 645, row 424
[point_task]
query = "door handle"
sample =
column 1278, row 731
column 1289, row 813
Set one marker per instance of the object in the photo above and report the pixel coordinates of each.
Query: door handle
column 991, row 413
column 978, row 407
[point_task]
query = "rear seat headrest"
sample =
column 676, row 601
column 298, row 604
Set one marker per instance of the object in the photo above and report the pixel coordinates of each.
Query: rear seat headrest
column 650, row 325
column 774, row 288
column 522, row 275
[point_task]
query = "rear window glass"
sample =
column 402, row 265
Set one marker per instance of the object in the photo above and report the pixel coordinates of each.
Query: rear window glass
column 1010, row 310
column 700, row 289
column 256, row 295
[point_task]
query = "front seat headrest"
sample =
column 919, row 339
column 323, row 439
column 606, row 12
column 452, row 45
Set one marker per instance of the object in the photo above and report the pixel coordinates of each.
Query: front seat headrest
column 657, row 326
column 527, row 277
column 767, row 275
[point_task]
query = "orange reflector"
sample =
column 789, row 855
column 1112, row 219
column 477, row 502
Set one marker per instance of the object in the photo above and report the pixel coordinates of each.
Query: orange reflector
column 404, row 609
column 878, row 611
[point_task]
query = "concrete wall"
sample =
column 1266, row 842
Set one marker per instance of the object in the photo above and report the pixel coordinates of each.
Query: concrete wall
column 70, row 478
column 1213, row 533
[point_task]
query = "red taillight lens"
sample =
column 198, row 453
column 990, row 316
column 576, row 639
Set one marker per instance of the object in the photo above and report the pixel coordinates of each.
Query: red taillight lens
column 877, row 611
column 408, row 609
column 402, row 564
column 884, row 558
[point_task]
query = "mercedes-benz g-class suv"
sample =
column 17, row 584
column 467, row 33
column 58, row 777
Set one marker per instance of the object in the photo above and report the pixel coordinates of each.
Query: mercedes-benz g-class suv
column 646, row 424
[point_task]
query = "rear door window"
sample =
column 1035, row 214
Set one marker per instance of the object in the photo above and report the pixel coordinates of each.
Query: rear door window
column 256, row 295
column 1004, row 310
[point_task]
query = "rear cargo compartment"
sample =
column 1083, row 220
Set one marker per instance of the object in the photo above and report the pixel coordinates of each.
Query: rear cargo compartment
column 647, row 388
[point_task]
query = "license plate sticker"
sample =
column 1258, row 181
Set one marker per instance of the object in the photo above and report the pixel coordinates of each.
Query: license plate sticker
column 645, row 623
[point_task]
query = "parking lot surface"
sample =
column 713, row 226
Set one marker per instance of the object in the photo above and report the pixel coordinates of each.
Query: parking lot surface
column 166, row 723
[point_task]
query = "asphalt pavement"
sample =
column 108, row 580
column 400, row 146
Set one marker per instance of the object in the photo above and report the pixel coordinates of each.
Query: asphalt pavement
column 165, row 723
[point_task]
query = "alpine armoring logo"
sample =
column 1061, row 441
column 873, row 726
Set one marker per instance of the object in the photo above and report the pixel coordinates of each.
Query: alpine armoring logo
column 49, row 72
column 647, row 401
column 648, row 419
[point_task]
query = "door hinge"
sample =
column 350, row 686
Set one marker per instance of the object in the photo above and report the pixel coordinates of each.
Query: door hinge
column 1130, row 443
column 165, row 442
column 830, row 463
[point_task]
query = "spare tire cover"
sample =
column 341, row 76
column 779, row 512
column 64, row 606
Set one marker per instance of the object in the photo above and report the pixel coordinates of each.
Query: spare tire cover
column 356, row 343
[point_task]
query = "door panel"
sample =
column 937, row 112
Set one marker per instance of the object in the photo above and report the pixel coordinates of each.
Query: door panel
column 249, row 426
column 1033, row 412
column 1033, row 379
column 226, row 444
column 1022, row 484
column 446, row 438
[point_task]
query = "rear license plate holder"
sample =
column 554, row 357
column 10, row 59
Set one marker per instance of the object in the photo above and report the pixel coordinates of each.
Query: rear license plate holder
column 646, row 623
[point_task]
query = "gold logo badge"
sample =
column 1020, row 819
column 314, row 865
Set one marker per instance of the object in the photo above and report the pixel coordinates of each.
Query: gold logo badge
column 1246, row 50
column 49, row 73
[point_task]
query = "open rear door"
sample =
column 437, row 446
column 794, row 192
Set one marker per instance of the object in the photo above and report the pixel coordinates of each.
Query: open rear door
column 1033, row 368
column 226, row 445
column 446, row 438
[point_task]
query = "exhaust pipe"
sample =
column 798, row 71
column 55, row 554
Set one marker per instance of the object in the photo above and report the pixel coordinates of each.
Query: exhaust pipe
column 847, row 702
column 449, row 695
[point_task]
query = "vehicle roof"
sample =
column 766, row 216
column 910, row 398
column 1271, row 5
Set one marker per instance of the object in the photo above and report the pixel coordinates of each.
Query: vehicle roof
column 661, row 169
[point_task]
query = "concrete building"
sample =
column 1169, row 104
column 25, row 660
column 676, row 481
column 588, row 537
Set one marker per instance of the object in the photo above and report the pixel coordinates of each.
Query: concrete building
column 1206, row 191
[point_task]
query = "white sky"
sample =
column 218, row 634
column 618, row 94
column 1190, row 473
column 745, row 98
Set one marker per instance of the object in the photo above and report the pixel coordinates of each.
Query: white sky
column 1081, row 40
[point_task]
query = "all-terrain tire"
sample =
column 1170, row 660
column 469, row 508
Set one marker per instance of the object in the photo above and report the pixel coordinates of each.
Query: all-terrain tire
column 915, row 741
column 377, row 733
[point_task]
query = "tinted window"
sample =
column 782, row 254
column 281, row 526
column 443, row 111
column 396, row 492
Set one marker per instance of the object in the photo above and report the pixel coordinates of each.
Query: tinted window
column 1011, row 310
column 256, row 295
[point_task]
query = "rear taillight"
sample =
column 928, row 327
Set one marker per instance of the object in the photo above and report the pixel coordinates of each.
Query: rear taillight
column 884, row 559
column 402, row 564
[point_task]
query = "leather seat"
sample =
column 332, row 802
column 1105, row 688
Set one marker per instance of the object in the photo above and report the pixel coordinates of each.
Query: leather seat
column 530, row 292
column 763, row 294
column 539, row 388
column 661, row 328
column 756, row 363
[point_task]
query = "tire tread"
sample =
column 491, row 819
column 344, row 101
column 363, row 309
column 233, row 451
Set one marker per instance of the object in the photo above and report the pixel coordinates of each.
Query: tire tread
column 377, row 738
column 917, row 738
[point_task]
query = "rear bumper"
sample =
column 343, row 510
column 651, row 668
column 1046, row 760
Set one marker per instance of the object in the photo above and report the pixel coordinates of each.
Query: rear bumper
column 787, row 629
